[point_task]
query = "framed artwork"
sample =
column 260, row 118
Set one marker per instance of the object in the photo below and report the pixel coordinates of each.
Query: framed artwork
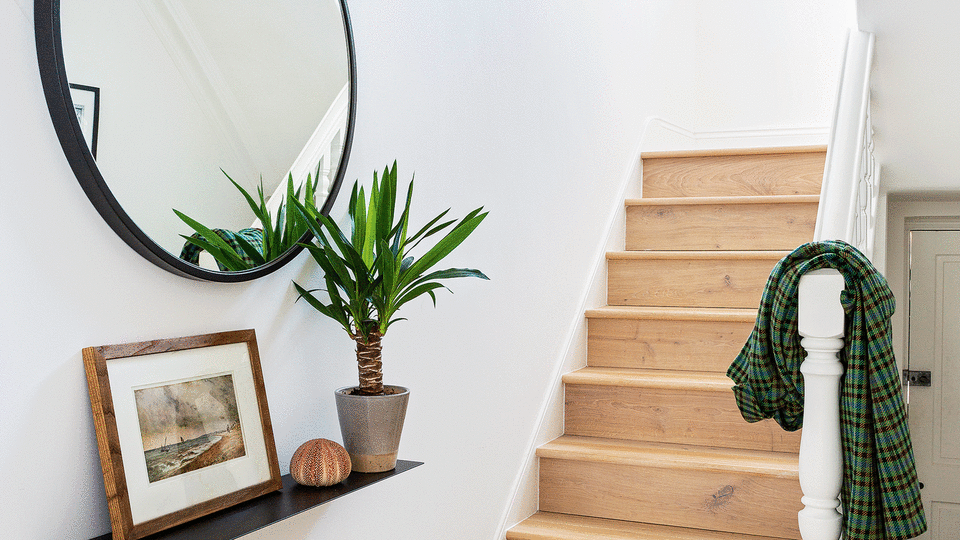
column 86, row 103
column 182, row 426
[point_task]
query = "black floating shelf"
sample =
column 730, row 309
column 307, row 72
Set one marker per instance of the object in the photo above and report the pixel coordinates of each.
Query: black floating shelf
column 258, row 513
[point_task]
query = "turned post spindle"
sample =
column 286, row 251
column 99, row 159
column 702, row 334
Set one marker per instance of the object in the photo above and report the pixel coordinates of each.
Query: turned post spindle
column 821, row 322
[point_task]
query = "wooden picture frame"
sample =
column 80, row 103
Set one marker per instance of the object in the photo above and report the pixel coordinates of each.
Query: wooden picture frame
column 183, row 428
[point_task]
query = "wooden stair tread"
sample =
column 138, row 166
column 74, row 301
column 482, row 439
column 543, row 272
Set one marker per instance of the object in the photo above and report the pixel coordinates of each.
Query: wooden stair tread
column 697, row 255
column 671, row 456
column 673, row 313
column 739, row 199
column 650, row 378
column 813, row 149
column 554, row 526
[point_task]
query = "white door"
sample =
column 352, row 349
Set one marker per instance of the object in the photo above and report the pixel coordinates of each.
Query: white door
column 934, row 346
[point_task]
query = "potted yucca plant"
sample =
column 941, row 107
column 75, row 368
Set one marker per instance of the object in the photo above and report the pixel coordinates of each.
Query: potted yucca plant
column 369, row 274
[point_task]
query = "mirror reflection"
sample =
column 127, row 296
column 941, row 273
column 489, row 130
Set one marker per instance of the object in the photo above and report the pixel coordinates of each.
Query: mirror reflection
column 188, row 91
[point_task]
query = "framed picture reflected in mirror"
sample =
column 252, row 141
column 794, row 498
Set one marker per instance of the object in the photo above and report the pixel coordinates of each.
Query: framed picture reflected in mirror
column 86, row 103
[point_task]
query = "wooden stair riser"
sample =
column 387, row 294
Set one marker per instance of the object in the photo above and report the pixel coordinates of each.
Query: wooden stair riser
column 724, row 176
column 549, row 526
column 668, row 415
column 781, row 226
column 665, row 344
column 728, row 283
column 714, row 500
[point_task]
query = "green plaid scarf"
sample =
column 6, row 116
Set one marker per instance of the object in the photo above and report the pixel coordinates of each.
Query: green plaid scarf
column 880, row 494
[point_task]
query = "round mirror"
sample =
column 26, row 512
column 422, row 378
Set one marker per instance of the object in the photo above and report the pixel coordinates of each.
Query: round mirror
column 171, row 105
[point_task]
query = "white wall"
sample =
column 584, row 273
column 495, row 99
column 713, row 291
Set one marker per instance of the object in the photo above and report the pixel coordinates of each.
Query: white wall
column 534, row 110
column 768, row 64
column 759, row 73
column 914, row 89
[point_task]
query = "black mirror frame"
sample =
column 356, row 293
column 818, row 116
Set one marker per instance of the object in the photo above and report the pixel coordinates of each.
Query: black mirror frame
column 56, row 89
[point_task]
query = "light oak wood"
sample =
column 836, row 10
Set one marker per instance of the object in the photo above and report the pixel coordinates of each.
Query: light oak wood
column 686, row 175
column 670, row 455
column 633, row 341
column 551, row 526
column 682, row 408
column 654, row 445
column 714, row 500
column 741, row 491
column 648, row 378
column 734, row 200
column 674, row 314
column 697, row 255
column 756, row 151
column 721, row 223
column 688, row 279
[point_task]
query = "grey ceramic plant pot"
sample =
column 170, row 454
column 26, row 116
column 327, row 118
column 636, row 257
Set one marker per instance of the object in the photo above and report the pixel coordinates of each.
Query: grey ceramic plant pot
column 371, row 427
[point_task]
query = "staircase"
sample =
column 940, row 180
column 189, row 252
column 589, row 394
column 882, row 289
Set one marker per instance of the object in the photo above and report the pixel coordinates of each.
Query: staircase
column 654, row 446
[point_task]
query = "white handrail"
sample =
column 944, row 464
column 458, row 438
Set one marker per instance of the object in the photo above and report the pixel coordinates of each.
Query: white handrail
column 848, row 209
column 324, row 146
column 848, row 197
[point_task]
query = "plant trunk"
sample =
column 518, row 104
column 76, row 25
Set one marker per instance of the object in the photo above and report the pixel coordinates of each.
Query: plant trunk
column 371, row 368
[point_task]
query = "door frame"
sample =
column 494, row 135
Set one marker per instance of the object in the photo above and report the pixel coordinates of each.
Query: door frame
column 904, row 214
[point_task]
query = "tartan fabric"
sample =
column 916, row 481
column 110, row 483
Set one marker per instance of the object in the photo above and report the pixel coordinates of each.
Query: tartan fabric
column 191, row 252
column 880, row 494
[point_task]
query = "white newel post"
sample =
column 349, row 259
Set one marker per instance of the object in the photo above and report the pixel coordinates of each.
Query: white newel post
column 821, row 321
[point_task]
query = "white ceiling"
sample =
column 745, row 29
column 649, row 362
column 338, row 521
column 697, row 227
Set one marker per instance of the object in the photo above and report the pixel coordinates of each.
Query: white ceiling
column 916, row 92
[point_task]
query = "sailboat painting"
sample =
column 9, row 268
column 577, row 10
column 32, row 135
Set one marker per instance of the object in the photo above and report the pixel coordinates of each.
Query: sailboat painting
column 187, row 426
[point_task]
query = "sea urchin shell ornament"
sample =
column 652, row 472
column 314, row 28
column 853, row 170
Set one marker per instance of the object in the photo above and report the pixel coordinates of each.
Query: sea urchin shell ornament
column 320, row 462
